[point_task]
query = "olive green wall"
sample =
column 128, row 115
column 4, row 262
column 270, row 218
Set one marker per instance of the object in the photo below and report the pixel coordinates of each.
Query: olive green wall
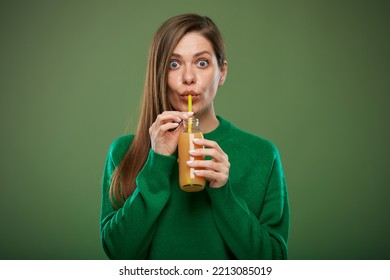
column 311, row 76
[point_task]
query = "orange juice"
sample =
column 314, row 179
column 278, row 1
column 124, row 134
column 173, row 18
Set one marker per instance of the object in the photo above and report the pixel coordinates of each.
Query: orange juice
column 187, row 179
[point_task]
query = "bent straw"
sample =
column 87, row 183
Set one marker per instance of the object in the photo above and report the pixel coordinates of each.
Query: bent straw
column 189, row 110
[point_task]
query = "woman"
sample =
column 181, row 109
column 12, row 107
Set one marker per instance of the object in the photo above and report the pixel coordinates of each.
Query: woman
column 243, row 213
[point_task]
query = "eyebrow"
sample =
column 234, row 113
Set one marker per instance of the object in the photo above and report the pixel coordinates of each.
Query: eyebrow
column 195, row 55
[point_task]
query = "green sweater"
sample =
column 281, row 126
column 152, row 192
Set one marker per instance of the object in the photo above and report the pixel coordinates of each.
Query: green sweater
column 248, row 218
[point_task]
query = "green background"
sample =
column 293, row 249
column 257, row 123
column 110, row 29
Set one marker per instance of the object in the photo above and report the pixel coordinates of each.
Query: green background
column 311, row 76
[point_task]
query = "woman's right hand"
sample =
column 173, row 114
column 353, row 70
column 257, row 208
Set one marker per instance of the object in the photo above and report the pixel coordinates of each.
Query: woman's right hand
column 164, row 132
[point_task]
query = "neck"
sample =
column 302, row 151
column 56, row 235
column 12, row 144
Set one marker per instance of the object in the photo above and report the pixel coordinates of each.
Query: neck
column 207, row 120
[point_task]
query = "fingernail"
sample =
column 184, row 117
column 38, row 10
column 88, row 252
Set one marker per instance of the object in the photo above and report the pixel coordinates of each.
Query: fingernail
column 196, row 140
column 188, row 114
column 190, row 162
column 192, row 151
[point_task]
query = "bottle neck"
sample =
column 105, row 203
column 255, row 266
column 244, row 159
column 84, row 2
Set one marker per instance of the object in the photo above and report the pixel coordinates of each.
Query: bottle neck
column 191, row 125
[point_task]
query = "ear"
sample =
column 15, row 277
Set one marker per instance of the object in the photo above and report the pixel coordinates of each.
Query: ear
column 222, row 78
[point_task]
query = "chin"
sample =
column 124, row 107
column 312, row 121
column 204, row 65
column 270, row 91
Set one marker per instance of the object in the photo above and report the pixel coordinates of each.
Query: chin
column 179, row 108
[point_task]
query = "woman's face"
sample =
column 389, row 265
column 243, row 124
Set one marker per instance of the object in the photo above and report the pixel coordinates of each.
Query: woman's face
column 193, row 70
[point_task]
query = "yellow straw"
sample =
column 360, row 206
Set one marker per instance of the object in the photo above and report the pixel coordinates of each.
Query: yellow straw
column 189, row 103
column 189, row 110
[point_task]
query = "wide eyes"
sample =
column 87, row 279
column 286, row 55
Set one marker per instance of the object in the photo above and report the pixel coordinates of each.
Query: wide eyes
column 174, row 64
column 201, row 63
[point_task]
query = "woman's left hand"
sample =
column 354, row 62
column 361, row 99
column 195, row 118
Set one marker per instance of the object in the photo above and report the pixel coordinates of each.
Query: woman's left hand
column 216, row 170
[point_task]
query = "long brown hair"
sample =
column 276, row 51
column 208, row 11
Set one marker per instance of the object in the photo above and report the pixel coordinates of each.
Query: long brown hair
column 154, row 100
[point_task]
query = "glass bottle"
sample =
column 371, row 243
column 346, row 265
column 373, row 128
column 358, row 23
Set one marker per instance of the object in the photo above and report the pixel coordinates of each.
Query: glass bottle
column 187, row 179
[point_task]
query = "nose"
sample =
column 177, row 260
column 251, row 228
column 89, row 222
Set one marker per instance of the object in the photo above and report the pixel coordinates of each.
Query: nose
column 189, row 76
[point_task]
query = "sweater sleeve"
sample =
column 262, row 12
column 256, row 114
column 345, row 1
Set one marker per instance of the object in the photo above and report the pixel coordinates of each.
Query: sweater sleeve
column 248, row 236
column 126, row 233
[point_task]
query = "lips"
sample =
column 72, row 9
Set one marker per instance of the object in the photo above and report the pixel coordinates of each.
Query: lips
column 184, row 95
column 189, row 92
